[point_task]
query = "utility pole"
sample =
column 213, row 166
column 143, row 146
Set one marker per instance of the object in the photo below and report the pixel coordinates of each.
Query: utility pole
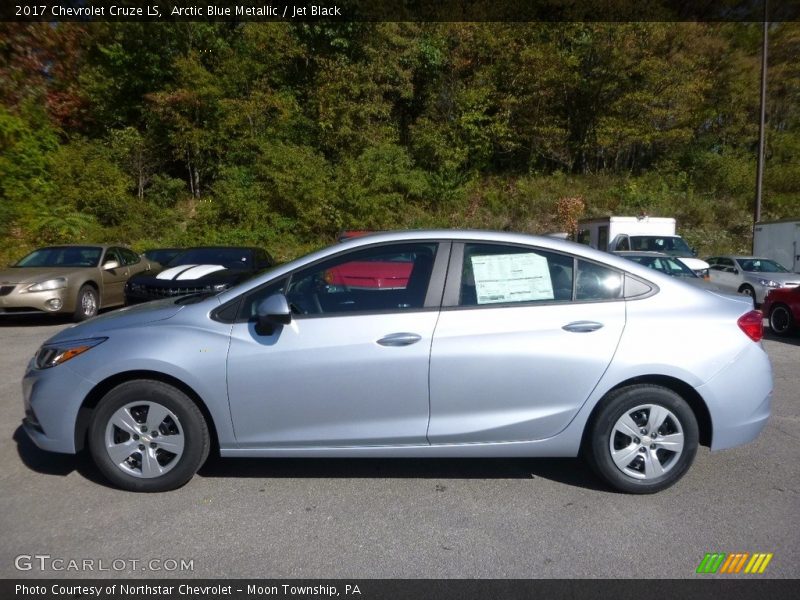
column 760, row 168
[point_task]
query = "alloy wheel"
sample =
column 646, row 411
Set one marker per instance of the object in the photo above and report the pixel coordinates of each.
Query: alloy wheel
column 144, row 439
column 646, row 441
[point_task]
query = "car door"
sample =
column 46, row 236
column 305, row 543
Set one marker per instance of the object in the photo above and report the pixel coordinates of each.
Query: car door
column 352, row 366
column 725, row 274
column 113, row 279
column 514, row 356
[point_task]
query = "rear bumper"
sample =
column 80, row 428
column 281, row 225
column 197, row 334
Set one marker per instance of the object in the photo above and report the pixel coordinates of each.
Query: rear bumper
column 739, row 398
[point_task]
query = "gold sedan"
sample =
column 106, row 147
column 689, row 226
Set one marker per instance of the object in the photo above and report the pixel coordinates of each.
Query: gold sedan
column 76, row 279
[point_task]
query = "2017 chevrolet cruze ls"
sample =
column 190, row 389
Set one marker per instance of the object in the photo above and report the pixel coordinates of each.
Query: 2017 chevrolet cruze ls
column 491, row 344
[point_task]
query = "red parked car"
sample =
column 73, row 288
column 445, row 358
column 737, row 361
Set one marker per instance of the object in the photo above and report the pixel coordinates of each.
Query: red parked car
column 782, row 308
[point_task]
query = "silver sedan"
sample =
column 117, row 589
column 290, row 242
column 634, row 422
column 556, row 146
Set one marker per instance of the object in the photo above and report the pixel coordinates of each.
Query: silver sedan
column 750, row 275
column 413, row 344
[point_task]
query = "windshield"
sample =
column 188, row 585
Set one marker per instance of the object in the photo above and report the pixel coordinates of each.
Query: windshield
column 72, row 256
column 761, row 265
column 668, row 244
column 230, row 258
column 665, row 264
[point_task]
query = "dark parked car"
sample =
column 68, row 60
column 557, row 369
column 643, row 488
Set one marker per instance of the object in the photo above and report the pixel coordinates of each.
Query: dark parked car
column 668, row 265
column 782, row 308
column 163, row 256
column 198, row 270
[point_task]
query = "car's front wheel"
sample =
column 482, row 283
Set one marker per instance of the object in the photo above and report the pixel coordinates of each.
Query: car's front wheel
column 780, row 320
column 148, row 436
column 643, row 439
column 87, row 303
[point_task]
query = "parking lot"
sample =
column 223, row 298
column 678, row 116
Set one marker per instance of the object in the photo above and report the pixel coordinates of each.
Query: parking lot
column 374, row 518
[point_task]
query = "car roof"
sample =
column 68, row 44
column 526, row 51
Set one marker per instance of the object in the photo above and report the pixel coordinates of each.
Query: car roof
column 642, row 253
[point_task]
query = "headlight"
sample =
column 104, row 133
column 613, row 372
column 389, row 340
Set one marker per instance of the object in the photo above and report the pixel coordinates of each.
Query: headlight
column 769, row 283
column 45, row 286
column 51, row 355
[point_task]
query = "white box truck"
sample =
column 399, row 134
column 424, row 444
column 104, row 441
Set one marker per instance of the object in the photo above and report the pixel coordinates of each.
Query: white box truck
column 643, row 234
column 780, row 241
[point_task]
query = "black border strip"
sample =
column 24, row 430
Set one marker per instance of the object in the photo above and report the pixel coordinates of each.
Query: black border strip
column 399, row 10
column 734, row 588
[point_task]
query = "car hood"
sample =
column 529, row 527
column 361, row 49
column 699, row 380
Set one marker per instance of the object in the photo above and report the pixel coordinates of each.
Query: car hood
column 695, row 264
column 781, row 278
column 183, row 272
column 19, row 275
column 131, row 316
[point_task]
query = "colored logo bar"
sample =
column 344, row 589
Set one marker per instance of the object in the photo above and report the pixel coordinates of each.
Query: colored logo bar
column 736, row 562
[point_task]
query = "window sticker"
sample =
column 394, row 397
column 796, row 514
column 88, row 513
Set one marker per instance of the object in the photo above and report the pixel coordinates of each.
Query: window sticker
column 511, row 278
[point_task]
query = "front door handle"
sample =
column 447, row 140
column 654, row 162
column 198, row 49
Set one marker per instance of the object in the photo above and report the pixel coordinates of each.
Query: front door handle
column 582, row 326
column 400, row 339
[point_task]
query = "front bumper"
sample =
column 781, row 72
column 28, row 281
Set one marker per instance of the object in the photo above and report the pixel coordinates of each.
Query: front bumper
column 21, row 303
column 52, row 399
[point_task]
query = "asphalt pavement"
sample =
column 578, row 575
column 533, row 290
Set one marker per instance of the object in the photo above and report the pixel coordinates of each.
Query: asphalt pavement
column 371, row 518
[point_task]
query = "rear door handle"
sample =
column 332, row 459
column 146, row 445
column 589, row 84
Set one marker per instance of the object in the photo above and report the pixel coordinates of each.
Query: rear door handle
column 582, row 326
column 400, row 339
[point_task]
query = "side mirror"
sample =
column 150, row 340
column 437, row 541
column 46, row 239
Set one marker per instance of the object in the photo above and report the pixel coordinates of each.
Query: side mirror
column 110, row 265
column 736, row 271
column 272, row 312
column 694, row 252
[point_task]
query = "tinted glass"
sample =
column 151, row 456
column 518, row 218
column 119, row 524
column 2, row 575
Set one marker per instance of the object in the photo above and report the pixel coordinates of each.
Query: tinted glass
column 665, row 264
column 596, row 282
column 78, row 256
column 230, row 258
column 386, row 278
column 500, row 274
column 129, row 257
column 163, row 256
column 761, row 265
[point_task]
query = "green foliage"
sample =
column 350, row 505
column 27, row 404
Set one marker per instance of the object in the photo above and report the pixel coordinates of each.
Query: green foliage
column 282, row 135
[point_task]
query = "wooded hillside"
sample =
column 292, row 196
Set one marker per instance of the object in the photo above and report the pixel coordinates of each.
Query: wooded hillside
column 283, row 134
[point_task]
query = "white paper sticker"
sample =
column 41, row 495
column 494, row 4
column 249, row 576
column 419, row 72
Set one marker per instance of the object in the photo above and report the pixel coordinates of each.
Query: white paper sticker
column 511, row 278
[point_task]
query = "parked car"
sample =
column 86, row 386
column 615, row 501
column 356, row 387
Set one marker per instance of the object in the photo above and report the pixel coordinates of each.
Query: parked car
column 498, row 344
column 202, row 269
column 162, row 256
column 668, row 265
column 782, row 308
column 750, row 275
column 74, row 279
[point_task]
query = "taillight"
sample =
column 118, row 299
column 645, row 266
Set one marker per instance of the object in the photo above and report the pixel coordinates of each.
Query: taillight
column 752, row 324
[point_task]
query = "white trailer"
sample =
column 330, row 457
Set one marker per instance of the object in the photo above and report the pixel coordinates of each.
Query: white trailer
column 780, row 241
column 647, row 234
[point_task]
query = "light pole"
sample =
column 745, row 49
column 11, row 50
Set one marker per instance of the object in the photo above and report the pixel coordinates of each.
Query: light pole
column 760, row 167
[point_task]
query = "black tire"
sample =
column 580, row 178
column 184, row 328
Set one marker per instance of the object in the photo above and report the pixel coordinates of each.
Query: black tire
column 189, row 423
column 781, row 321
column 597, row 449
column 87, row 303
column 748, row 290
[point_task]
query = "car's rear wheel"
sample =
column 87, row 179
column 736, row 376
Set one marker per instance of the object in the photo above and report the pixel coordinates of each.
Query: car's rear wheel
column 643, row 439
column 780, row 320
column 147, row 436
column 87, row 303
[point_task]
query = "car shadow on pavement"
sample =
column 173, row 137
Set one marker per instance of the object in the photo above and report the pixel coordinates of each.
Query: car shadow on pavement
column 54, row 463
column 42, row 320
column 792, row 340
column 570, row 471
